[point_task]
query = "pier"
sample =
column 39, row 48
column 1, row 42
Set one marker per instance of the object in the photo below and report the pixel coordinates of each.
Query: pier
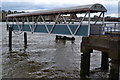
column 109, row 47
column 96, row 36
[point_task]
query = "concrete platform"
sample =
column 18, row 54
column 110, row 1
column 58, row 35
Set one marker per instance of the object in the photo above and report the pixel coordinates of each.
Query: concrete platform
column 105, row 43
column 109, row 45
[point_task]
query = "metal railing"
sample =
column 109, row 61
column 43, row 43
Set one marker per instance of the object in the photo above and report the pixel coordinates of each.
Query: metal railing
column 100, row 29
column 112, row 27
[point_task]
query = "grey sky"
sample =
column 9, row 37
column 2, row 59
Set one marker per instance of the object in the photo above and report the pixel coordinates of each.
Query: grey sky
column 111, row 5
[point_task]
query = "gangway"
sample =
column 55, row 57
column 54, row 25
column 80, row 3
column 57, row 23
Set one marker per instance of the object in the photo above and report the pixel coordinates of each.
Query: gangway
column 54, row 22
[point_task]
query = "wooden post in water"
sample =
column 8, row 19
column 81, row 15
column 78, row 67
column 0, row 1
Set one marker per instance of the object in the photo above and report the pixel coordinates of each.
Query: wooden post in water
column 114, row 71
column 85, row 58
column 10, row 38
column 85, row 64
column 25, row 40
column 104, row 61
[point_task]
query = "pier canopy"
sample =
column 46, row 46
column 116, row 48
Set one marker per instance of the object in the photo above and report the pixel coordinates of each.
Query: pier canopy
column 79, row 9
column 66, row 21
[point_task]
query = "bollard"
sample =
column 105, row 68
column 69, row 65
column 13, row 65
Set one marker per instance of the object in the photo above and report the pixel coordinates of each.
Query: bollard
column 57, row 37
column 10, row 38
column 25, row 40
column 85, row 64
column 104, row 61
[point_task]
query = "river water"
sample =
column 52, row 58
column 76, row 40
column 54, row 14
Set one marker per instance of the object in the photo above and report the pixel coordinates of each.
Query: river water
column 45, row 57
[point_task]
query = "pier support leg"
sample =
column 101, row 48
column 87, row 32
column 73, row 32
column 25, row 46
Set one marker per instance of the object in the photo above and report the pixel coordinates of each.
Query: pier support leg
column 25, row 40
column 85, row 64
column 104, row 61
column 114, row 71
column 10, row 38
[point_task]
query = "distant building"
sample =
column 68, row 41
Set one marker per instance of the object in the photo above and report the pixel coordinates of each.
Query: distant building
column 4, row 13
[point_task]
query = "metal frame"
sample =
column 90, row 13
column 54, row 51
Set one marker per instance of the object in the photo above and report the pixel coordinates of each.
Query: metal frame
column 19, row 27
column 89, row 23
column 67, row 26
column 59, row 16
column 103, row 22
column 80, row 23
column 34, row 23
column 98, row 18
column 54, row 23
column 45, row 24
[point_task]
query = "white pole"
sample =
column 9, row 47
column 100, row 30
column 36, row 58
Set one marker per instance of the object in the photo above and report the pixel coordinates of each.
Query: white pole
column 103, row 23
column 89, row 23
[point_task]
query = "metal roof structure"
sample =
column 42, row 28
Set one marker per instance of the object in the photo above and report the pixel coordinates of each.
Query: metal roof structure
column 79, row 9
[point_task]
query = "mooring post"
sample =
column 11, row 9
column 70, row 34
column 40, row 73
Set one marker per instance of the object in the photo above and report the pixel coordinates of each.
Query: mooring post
column 104, row 61
column 85, row 64
column 25, row 40
column 10, row 38
column 114, row 71
column 85, row 57
column 56, row 37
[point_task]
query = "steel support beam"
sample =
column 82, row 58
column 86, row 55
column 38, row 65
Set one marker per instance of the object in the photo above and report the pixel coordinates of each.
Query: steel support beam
column 80, row 23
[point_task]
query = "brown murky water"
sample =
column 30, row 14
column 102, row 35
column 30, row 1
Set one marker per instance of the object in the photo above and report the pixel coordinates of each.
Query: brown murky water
column 45, row 57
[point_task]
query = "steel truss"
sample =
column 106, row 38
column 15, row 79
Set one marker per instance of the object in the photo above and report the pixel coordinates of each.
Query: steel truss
column 33, row 21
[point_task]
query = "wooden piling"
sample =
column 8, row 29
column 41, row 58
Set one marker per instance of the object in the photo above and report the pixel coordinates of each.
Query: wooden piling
column 114, row 71
column 85, row 64
column 25, row 40
column 104, row 61
column 10, row 38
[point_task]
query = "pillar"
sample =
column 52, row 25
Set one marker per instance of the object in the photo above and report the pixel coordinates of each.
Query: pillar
column 25, row 40
column 104, row 61
column 10, row 38
column 85, row 64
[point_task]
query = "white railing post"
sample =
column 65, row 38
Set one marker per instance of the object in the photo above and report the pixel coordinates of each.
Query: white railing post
column 89, row 19
column 103, row 22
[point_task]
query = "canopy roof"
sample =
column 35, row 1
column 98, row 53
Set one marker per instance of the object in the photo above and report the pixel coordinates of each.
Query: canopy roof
column 79, row 9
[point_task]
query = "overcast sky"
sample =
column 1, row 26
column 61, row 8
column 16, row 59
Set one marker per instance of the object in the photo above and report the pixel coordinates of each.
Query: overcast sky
column 30, row 5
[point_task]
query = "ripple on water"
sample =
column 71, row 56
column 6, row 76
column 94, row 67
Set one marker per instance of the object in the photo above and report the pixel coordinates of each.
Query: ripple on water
column 43, row 58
